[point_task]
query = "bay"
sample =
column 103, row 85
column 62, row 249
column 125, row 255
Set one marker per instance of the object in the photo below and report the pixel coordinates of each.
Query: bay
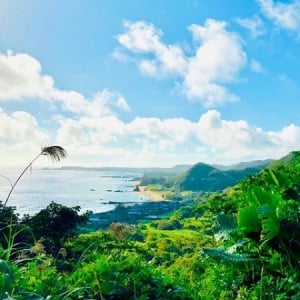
column 97, row 191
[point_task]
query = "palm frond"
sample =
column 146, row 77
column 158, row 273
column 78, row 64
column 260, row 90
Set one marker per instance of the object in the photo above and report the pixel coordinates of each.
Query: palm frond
column 56, row 153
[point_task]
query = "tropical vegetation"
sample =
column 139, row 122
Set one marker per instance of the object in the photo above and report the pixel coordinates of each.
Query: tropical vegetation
column 240, row 243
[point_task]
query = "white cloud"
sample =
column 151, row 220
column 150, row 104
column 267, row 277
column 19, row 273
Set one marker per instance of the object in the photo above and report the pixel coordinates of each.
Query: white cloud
column 120, row 102
column 256, row 66
column 20, row 137
column 230, row 135
column 106, row 131
column 149, row 67
column 241, row 141
column 102, row 103
column 141, row 37
column 20, row 76
column 162, row 134
column 285, row 15
column 71, row 133
column 144, row 38
column 146, row 141
column 254, row 25
column 291, row 135
column 106, row 140
column 93, row 134
column 287, row 82
column 20, row 127
column 217, row 61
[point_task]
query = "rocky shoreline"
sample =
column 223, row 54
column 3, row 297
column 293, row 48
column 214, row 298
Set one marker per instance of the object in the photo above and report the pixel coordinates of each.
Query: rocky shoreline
column 133, row 213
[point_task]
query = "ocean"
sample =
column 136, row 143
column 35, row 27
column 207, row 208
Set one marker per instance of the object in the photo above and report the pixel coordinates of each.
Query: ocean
column 96, row 191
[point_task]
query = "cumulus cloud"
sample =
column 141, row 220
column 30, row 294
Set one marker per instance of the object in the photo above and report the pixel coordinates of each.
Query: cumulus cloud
column 93, row 133
column 239, row 139
column 107, row 140
column 218, row 59
column 71, row 133
column 18, row 127
column 177, row 140
column 20, row 137
column 21, row 77
column 144, row 38
column 291, row 135
column 285, row 15
column 231, row 135
column 164, row 134
column 254, row 25
column 101, row 104
column 203, row 76
column 141, row 37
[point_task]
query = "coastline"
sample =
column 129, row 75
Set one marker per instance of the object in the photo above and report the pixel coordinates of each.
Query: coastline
column 150, row 195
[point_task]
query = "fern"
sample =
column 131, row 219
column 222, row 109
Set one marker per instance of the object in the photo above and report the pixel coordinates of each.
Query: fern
column 224, row 256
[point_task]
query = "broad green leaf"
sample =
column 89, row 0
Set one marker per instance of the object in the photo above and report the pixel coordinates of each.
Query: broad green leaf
column 273, row 176
column 224, row 256
column 227, row 222
column 248, row 220
column 270, row 228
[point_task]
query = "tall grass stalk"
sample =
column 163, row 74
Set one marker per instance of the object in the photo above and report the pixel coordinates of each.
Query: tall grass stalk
column 56, row 153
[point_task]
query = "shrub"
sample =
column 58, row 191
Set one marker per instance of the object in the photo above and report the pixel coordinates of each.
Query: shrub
column 56, row 224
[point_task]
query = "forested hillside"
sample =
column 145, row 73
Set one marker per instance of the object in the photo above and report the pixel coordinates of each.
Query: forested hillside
column 240, row 243
column 204, row 177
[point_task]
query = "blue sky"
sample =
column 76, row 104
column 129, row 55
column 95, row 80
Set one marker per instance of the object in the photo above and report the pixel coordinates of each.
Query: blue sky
column 149, row 83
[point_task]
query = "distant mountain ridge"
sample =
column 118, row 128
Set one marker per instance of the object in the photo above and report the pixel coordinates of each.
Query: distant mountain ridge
column 198, row 177
column 175, row 169
column 290, row 158
column 243, row 165
column 204, row 177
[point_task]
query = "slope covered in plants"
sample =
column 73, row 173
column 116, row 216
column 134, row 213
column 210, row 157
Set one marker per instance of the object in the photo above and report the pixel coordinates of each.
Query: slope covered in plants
column 241, row 243
column 204, row 177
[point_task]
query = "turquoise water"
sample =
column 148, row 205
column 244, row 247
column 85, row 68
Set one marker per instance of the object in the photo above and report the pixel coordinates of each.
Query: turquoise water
column 91, row 190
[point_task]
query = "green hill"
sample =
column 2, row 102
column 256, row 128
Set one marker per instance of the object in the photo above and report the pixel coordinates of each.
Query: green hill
column 243, row 243
column 259, row 164
column 203, row 177
column 291, row 158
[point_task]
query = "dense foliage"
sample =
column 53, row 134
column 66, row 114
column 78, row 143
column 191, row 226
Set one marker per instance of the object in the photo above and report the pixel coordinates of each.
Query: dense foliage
column 241, row 243
column 55, row 224
column 203, row 177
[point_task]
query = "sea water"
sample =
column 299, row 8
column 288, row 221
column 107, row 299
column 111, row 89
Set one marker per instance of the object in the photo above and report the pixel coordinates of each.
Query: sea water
column 96, row 191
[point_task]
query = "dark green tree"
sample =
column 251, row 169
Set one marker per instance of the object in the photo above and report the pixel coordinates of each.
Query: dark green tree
column 56, row 224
